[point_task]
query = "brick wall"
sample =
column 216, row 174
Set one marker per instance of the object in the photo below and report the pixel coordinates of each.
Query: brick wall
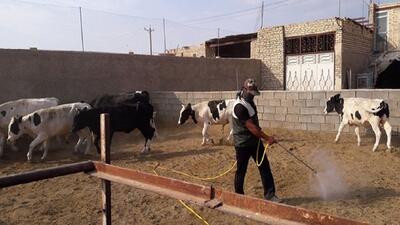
column 394, row 28
column 281, row 109
column 357, row 45
column 269, row 48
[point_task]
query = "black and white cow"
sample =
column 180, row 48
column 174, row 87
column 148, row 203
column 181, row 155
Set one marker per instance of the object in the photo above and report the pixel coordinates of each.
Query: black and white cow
column 359, row 111
column 46, row 123
column 121, row 98
column 20, row 107
column 209, row 113
column 123, row 118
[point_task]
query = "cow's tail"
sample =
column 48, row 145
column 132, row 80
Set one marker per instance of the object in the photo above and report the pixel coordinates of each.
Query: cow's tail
column 382, row 109
column 374, row 110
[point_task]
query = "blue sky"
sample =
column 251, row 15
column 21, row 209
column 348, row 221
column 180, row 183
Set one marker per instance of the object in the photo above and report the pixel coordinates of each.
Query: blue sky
column 118, row 25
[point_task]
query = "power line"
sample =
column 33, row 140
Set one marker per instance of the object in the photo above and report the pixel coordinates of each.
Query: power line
column 235, row 12
column 221, row 15
column 200, row 28
column 226, row 17
column 46, row 4
column 277, row 4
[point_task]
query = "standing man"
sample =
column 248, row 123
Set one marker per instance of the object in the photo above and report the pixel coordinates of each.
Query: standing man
column 247, row 136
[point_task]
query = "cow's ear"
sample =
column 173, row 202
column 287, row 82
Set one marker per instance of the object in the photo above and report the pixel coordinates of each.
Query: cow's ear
column 189, row 106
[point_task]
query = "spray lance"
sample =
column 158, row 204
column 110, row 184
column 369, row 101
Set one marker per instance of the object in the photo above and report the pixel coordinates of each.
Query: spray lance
column 297, row 158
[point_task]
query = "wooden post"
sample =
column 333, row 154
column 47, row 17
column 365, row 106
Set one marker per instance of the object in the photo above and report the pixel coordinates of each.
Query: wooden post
column 105, row 157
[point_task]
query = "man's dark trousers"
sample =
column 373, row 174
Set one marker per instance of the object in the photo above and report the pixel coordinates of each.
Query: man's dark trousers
column 243, row 155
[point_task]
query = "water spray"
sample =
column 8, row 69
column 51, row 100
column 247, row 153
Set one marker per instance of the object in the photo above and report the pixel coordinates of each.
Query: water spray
column 298, row 159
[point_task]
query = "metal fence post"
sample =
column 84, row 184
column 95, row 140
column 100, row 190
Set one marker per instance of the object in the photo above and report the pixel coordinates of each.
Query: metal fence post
column 105, row 157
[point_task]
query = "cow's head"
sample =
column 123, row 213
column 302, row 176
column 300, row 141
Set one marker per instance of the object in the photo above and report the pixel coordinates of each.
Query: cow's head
column 14, row 129
column 185, row 113
column 335, row 103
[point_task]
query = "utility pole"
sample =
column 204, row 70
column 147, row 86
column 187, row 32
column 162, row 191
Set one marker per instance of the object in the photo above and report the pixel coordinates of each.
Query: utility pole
column 339, row 7
column 80, row 19
column 151, row 45
column 262, row 15
column 362, row 10
column 218, row 44
column 165, row 38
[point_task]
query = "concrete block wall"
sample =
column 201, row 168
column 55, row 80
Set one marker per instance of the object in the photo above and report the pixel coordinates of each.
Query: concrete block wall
column 281, row 109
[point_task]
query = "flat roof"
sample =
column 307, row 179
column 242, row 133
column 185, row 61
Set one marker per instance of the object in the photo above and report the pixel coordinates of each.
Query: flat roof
column 388, row 6
column 231, row 39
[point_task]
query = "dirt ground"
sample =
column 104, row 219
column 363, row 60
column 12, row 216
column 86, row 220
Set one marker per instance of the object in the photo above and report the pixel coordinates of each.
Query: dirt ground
column 360, row 184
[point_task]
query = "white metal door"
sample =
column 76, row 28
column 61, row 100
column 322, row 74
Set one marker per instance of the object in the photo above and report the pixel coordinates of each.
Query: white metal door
column 311, row 72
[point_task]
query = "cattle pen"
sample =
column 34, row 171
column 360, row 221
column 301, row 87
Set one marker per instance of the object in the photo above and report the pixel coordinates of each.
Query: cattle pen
column 208, row 196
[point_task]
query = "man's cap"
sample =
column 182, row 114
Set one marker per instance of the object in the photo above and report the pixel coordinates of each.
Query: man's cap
column 251, row 86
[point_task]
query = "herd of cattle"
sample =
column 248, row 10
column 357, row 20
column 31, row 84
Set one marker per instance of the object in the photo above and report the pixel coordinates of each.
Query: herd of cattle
column 45, row 118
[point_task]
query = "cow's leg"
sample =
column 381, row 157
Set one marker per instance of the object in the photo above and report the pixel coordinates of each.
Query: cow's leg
column 341, row 126
column 96, row 142
column 204, row 133
column 88, row 140
column 2, row 138
column 38, row 140
column 231, row 130
column 388, row 131
column 375, row 127
column 230, row 135
column 45, row 147
column 146, row 148
column 357, row 131
column 79, row 143
column 206, row 137
column 221, row 140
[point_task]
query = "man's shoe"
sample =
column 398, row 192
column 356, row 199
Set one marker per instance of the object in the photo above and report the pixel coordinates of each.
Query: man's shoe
column 275, row 199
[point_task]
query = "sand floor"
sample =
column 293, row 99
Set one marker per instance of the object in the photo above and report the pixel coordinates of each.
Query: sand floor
column 360, row 184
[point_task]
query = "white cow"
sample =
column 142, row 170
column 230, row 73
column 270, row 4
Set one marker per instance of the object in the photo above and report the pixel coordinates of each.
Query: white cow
column 359, row 111
column 20, row 107
column 209, row 113
column 46, row 123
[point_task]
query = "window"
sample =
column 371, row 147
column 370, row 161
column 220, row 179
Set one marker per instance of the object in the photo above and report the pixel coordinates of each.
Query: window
column 381, row 23
column 310, row 44
column 326, row 42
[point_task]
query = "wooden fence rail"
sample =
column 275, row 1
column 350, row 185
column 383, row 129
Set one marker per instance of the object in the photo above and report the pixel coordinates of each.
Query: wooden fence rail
column 41, row 174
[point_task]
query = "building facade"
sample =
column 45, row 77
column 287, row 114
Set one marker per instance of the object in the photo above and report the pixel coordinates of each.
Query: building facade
column 318, row 55
column 189, row 51
column 386, row 22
